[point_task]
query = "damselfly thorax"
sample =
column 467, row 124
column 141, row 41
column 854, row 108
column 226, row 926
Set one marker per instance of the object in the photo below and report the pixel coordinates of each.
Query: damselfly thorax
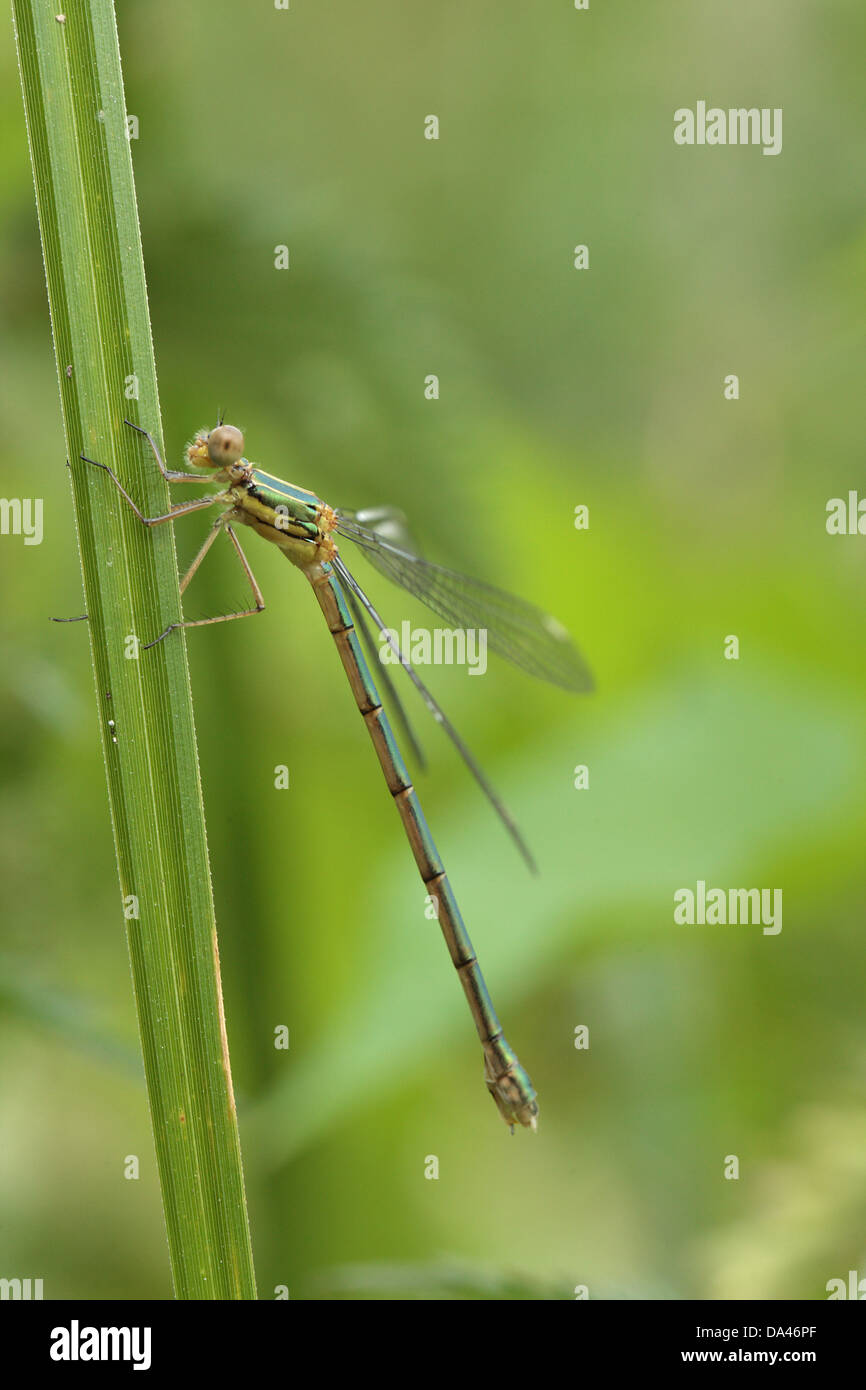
column 296, row 520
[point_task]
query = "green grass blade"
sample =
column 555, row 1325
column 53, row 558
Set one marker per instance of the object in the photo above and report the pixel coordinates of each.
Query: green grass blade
column 76, row 121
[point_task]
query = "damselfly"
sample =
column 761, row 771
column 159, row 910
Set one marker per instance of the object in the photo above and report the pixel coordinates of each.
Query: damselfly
column 309, row 533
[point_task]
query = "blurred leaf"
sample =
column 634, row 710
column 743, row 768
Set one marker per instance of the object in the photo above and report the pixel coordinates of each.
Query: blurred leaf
column 25, row 996
column 442, row 1279
column 702, row 778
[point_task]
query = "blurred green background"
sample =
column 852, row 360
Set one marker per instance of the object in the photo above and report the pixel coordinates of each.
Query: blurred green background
column 410, row 257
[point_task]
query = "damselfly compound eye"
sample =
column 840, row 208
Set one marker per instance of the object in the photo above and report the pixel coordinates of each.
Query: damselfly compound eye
column 225, row 445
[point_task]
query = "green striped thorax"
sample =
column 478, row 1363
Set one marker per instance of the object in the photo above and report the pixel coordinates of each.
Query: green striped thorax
column 288, row 516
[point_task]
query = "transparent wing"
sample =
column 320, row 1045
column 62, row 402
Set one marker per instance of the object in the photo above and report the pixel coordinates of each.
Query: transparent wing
column 516, row 630
column 388, row 524
column 351, row 586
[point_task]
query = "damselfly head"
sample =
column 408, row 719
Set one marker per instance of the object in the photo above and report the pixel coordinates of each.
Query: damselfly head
column 225, row 445
column 221, row 448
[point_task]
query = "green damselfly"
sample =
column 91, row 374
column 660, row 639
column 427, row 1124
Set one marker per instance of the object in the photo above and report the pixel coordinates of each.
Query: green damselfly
column 309, row 532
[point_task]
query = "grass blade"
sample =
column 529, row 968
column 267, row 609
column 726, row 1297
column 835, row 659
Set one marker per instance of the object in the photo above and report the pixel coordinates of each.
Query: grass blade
column 76, row 122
